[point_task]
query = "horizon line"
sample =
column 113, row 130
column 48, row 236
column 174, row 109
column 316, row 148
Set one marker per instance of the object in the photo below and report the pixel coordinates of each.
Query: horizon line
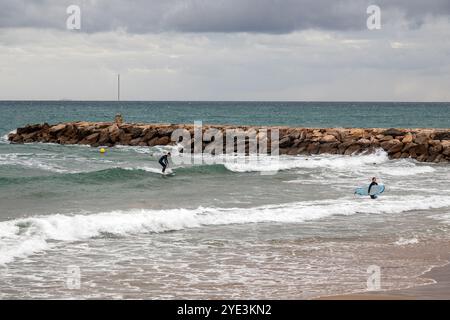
column 201, row 100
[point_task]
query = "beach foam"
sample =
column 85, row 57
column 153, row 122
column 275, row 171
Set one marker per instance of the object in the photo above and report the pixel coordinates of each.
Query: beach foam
column 376, row 163
column 22, row 237
column 403, row 242
column 4, row 138
column 30, row 161
column 339, row 162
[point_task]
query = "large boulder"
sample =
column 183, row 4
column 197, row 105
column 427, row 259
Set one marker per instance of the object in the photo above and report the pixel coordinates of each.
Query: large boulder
column 364, row 143
column 328, row 139
column 357, row 133
column 125, row 138
column 313, row 148
column 405, row 155
column 136, row 132
column 28, row 129
column 135, row 142
column 30, row 137
column 386, row 138
column 71, row 131
column 420, row 149
column 165, row 131
column 295, row 135
column 442, row 135
column 409, row 146
column 408, row 138
column 16, row 138
column 435, row 148
column 331, row 148
column 396, row 155
column 148, row 134
column 439, row 158
column 422, row 138
column 432, row 157
column 152, row 142
column 162, row 141
column 55, row 130
column 91, row 139
column 395, row 148
column 392, row 146
column 285, row 142
column 393, row 132
column 296, row 143
column 114, row 133
column 446, row 148
column 354, row 148
column 335, row 133
column 422, row 158
column 104, row 137
column 84, row 131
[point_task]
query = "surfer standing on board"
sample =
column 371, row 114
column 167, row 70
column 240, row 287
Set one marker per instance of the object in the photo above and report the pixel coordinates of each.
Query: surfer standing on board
column 373, row 183
column 164, row 161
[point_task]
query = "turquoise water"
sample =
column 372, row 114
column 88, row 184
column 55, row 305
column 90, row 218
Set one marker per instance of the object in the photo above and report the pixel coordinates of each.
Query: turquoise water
column 306, row 114
column 215, row 230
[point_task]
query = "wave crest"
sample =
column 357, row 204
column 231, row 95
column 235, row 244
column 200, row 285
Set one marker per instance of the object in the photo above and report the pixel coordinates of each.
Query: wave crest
column 23, row 237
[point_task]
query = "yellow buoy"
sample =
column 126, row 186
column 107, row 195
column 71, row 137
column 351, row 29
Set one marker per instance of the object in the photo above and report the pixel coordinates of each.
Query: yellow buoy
column 102, row 150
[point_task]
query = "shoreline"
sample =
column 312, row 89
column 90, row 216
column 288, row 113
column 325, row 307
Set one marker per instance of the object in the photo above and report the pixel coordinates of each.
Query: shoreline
column 424, row 145
column 438, row 290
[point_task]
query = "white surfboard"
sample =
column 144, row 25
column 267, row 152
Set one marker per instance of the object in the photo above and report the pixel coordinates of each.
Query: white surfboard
column 168, row 172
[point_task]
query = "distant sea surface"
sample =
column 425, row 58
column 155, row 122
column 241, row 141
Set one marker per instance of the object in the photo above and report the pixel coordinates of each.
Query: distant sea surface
column 300, row 114
column 220, row 230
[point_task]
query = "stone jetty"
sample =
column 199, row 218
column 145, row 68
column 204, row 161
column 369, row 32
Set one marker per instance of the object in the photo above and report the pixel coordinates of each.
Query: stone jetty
column 425, row 145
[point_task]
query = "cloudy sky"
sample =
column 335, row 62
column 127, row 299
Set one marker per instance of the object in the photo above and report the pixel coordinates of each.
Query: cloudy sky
column 226, row 50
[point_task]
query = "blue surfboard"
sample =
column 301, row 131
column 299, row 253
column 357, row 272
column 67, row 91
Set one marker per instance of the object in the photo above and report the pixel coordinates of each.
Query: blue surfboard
column 375, row 190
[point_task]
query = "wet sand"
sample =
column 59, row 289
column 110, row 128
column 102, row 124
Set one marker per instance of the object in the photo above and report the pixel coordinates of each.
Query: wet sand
column 436, row 291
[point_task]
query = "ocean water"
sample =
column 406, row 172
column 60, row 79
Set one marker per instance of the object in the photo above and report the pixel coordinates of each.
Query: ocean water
column 221, row 230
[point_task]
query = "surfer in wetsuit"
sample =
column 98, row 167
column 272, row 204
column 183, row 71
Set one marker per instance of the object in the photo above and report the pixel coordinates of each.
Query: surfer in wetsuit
column 373, row 183
column 164, row 161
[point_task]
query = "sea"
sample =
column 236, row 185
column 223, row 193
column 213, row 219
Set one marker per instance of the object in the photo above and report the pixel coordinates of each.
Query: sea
column 79, row 224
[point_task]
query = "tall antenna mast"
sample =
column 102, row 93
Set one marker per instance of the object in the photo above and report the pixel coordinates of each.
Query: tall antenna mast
column 118, row 87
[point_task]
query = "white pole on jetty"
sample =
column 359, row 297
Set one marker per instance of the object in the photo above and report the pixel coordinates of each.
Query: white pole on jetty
column 118, row 87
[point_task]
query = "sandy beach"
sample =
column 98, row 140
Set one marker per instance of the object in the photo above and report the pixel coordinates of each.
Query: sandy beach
column 440, row 290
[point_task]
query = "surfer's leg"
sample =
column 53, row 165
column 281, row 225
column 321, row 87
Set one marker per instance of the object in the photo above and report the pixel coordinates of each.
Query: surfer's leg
column 373, row 197
column 163, row 165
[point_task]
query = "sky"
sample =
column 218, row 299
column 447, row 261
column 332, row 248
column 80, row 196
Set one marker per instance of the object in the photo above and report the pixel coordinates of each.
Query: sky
column 283, row 50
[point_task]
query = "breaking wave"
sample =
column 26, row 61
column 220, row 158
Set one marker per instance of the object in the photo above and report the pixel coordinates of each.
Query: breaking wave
column 22, row 237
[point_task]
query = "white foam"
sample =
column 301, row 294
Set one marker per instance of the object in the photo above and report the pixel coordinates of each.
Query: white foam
column 22, row 237
column 137, row 149
column 377, row 162
column 404, row 242
column 444, row 217
column 336, row 162
column 4, row 139
column 58, row 163
column 30, row 161
column 372, row 164
column 147, row 150
column 406, row 168
column 147, row 169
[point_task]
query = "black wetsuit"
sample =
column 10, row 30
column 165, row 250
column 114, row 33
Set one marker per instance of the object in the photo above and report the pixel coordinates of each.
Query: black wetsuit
column 164, row 162
column 370, row 187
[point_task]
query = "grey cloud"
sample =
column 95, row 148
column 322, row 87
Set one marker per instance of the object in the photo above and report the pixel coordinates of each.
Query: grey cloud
column 257, row 16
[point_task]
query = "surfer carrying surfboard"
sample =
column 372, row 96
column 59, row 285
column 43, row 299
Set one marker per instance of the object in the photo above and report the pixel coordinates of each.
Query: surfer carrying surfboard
column 372, row 190
column 373, row 183
column 164, row 161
